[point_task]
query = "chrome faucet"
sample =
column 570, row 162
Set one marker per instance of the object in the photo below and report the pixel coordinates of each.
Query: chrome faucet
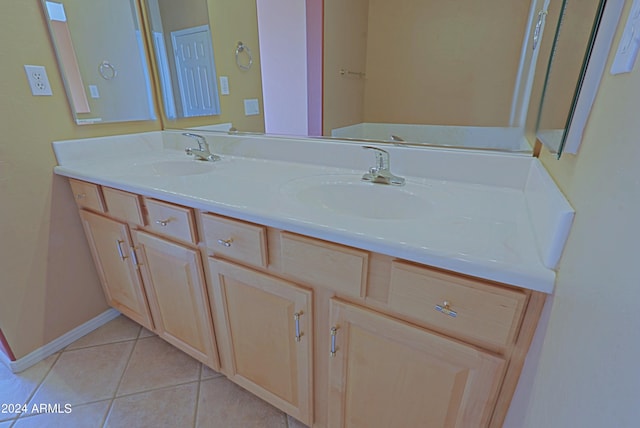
column 202, row 152
column 381, row 172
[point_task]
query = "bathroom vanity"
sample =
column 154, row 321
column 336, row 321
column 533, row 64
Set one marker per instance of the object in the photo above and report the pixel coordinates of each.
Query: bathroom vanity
column 412, row 310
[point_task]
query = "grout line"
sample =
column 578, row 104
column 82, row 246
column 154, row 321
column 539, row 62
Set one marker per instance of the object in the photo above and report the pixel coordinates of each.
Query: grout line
column 115, row 392
column 33, row 393
column 13, row 421
column 155, row 389
column 195, row 412
column 98, row 344
column 33, row 415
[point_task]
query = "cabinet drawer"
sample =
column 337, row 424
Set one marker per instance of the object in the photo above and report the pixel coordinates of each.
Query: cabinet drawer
column 235, row 239
column 87, row 195
column 171, row 220
column 485, row 314
column 124, row 206
column 324, row 264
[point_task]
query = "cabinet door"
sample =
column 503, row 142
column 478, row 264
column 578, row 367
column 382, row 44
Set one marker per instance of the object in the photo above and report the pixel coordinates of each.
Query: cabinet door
column 112, row 253
column 265, row 336
column 174, row 281
column 388, row 373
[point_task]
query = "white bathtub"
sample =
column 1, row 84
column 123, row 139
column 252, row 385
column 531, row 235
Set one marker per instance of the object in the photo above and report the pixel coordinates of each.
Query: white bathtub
column 476, row 137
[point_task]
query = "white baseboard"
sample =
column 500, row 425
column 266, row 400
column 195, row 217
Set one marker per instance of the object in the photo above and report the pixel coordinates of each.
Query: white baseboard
column 56, row 345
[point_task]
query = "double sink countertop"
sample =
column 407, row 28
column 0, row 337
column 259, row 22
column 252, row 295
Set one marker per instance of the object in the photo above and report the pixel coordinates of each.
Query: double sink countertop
column 490, row 215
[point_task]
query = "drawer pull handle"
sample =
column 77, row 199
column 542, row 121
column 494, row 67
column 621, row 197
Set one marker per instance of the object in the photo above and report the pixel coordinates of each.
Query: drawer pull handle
column 118, row 246
column 296, row 318
column 163, row 222
column 134, row 257
column 225, row 242
column 445, row 308
column 334, row 331
column 81, row 196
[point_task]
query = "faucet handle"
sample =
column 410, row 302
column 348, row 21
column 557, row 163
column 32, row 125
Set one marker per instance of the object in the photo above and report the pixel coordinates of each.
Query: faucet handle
column 381, row 172
column 202, row 142
column 382, row 157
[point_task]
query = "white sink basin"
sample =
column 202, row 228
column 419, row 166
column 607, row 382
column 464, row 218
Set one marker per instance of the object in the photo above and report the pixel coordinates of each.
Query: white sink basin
column 349, row 195
column 174, row 168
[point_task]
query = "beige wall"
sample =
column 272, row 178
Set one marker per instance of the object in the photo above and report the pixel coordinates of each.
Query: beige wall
column 582, row 370
column 48, row 284
column 345, row 47
column 443, row 62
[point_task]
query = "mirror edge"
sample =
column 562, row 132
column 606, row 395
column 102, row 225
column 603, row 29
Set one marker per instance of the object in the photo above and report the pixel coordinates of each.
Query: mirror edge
column 597, row 62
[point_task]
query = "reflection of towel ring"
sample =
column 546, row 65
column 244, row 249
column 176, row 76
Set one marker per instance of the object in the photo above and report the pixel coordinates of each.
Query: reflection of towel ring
column 107, row 71
column 243, row 48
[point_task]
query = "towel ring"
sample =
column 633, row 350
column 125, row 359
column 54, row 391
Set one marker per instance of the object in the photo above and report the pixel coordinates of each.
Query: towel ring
column 243, row 48
column 107, row 71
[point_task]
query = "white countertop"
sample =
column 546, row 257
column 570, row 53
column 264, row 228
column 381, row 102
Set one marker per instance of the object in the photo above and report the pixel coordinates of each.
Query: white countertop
column 476, row 229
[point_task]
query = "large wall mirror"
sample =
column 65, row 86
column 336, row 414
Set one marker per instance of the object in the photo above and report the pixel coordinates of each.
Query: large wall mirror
column 101, row 54
column 411, row 71
column 566, row 68
column 185, row 61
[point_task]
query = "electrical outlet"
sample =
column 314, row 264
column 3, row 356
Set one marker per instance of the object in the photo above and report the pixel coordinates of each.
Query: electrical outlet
column 38, row 80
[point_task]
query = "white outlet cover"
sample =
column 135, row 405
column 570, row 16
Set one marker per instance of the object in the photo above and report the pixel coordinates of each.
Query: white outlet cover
column 93, row 90
column 629, row 44
column 224, row 85
column 38, row 80
column 251, row 107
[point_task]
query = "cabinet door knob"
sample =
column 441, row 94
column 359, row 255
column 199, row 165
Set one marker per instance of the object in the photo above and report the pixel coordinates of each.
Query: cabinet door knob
column 225, row 242
column 296, row 318
column 334, row 332
column 445, row 308
column 163, row 222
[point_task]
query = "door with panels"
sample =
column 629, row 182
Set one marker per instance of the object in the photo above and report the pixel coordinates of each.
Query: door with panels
column 112, row 252
column 265, row 335
column 175, row 285
column 384, row 372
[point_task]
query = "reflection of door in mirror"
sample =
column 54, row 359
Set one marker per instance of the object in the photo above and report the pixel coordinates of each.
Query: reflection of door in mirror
column 102, row 59
column 186, row 70
column 196, row 69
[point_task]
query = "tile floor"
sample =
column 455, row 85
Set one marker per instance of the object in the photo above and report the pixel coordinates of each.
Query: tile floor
column 122, row 375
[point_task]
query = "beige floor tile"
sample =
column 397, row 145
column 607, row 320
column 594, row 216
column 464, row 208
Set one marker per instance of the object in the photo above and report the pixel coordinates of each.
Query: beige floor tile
column 294, row 423
column 146, row 333
column 85, row 375
column 117, row 330
column 208, row 373
column 17, row 387
column 85, row 416
column 223, row 404
column 170, row 407
column 156, row 364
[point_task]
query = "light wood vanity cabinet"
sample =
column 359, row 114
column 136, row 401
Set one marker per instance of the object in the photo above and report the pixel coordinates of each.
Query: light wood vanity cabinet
column 388, row 373
column 153, row 280
column 112, row 251
column 333, row 335
column 176, row 290
column 265, row 336
column 87, row 195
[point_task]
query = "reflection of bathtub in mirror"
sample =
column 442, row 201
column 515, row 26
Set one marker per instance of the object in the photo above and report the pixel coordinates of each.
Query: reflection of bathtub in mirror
column 471, row 137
